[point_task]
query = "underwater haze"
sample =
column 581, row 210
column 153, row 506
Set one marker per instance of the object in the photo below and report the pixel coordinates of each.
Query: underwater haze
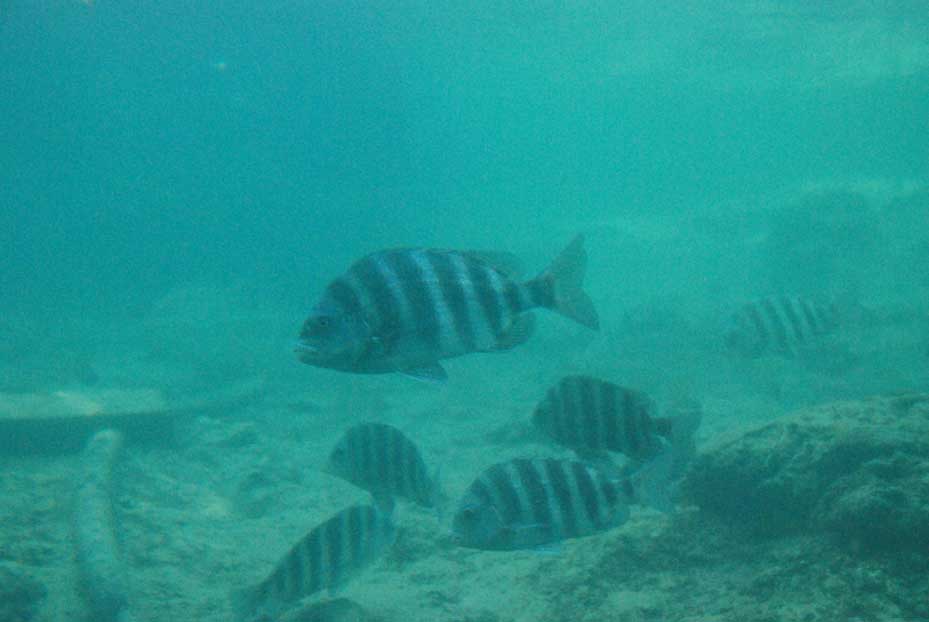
column 180, row 183
column 146, row 144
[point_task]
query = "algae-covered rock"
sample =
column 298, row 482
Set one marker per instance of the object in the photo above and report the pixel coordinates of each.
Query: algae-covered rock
column 859, row 470
column 332, row 610
column 20, row 594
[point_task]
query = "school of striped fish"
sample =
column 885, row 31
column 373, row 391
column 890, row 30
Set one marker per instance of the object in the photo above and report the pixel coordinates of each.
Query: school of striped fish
column 405, row 311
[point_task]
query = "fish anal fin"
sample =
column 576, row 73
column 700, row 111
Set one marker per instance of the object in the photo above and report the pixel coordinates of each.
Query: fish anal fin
column 620, row 515
column 433, row 372
column 383, row 500
column 518, row 332
column 549, row 548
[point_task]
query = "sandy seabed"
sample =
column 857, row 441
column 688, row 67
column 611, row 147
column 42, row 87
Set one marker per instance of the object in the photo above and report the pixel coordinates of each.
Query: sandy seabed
column 216, row 508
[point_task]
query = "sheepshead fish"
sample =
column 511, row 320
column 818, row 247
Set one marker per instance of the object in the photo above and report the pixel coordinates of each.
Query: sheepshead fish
column 581, row 412
column 405, row 310
column 380, row 459
column 591, row 416
column 528, row 503
column 779, row 325
column 325, row 558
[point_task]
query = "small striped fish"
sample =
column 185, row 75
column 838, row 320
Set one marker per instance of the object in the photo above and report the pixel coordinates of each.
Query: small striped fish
column 404, row 310
column 526, row 503
column 592, row 416
column 324, row 559
column 778, row 325
column 581, row 412
column 380, row 459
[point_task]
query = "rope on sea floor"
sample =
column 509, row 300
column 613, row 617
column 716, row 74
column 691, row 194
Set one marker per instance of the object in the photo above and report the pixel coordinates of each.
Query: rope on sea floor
column 102, row 574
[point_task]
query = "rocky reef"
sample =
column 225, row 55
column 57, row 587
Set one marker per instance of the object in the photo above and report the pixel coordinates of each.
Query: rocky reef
column 855, row 470
column 20, row 593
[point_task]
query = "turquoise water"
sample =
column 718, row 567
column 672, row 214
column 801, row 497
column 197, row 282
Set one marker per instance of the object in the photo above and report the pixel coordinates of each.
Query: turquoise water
column 179, row 181
column 277, row 142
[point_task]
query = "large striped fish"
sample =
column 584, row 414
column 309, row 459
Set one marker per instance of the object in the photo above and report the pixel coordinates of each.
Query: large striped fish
column 779, row 325
column 380, row 459
column 325, row 558
column 591, row 415
column 405, row 310
column 527, row 503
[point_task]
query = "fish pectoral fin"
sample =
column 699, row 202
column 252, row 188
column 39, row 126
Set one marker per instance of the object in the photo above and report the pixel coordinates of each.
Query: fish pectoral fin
column 600, row 460
column 428, row 373
column 518, row 332
column 375, row 346
column 536, row 535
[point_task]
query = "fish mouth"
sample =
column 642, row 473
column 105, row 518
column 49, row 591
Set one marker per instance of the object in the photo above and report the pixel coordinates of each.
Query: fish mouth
column 304, row 350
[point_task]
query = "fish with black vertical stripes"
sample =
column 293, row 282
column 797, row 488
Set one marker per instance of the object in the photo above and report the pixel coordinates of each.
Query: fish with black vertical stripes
column 589, row 415
column 779, row 325
column 529, row 503
column 404, row 310
column 379, row 458
column 325, row 558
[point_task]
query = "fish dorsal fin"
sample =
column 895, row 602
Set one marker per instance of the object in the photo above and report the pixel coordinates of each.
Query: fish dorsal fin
column 507, row 264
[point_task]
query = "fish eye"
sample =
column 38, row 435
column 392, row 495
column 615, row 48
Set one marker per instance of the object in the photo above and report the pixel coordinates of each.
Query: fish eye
column 324, row 321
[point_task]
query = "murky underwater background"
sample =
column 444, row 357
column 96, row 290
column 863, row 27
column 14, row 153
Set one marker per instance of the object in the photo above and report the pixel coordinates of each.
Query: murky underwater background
column 179, row 181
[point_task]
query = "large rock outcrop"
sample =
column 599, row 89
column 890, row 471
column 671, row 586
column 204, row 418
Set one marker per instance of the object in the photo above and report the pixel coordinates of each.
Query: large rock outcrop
column 859, row 470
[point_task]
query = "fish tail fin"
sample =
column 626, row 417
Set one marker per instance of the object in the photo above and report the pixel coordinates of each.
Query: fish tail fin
column 685, row 416
column 652, row 482
column 438, row 497
column 560, row 287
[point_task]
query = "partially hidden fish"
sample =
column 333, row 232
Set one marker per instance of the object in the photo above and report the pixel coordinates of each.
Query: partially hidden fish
column 779, row 325
column 379, row 458
column 325, row 558
column 589, row 415
column 528, row 503
column 405, row 310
